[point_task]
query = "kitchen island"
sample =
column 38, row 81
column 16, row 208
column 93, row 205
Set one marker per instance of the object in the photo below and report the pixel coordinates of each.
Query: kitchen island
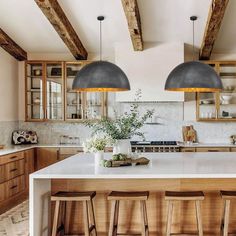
column 209, row 172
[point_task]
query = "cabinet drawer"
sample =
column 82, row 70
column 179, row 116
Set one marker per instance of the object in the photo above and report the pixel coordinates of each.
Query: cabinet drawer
column 11, row 157
column 12, row 170
column 14, row 186
column 216, row 149
column 233, row 149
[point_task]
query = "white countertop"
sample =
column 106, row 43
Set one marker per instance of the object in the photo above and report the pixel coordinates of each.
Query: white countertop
column 19, row 148
column 206, row 145
column 162, row 165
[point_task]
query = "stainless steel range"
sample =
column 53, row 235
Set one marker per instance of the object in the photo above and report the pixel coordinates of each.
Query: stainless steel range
column 155, row 146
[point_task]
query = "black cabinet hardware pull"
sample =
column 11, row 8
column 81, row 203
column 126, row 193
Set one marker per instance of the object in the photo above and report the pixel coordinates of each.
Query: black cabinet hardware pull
column 14, row 186
column 13, row 157
column 12, row 170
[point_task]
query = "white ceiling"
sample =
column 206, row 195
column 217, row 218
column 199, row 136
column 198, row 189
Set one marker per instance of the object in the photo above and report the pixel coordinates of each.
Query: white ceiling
column 162, row 20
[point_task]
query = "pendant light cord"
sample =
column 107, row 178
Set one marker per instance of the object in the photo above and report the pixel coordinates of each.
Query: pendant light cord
column 193, row 18
column 100, row 40
column 193, row 41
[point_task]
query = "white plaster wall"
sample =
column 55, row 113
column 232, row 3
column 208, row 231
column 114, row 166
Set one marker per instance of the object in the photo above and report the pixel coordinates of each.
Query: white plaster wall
column 149, row 69
column 8, row 87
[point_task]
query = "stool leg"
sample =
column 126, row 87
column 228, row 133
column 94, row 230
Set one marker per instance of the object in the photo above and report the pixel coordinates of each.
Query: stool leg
column 169, row 218
column 55, row 219
column 92, row 217
column 86, row 218
column 199, row 218
column 116, row 217
column 143, row 218
column 226, row 218
column 112, row 219
column 146, row 218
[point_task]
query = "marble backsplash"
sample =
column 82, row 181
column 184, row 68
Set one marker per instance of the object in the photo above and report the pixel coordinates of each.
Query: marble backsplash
column 167, row 124
column 6, row 129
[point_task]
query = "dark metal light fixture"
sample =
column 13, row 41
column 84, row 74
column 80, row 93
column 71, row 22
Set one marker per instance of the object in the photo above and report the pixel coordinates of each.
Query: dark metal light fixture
column 101, row 76
column 193, row 76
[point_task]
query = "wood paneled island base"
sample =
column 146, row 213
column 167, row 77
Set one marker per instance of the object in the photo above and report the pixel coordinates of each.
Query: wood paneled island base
column 129, row 220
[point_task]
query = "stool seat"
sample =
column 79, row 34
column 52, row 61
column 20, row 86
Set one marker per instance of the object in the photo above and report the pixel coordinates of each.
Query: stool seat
column 73, row 196
column 184, row 196
column 133, row 196
column 228, row 194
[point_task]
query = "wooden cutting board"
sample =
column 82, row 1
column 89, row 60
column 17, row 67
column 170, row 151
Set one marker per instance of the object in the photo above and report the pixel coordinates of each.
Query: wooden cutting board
column 129, row 161
column 189, row 134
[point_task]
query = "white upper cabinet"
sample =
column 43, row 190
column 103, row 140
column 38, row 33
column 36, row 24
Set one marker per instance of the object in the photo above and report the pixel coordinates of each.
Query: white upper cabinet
column 148, row 70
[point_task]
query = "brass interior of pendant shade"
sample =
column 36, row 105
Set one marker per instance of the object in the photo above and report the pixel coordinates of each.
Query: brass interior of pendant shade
column 202, row 90
column 101, row 89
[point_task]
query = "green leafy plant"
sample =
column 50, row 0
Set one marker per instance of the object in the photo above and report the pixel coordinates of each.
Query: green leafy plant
column 123, row 126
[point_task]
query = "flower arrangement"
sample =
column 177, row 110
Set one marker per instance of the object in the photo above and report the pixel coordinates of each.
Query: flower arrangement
column 123, row 126
column 96, row 144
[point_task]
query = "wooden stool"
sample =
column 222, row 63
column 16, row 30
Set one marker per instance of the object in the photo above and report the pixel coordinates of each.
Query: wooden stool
column 184, row 196
column 88, row 210
column 116, row 197
column 227, row 196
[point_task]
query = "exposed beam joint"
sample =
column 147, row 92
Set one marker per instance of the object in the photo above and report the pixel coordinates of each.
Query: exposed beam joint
column 54, row 13
column 215, row 17
column 134, row 23
column 12, row 47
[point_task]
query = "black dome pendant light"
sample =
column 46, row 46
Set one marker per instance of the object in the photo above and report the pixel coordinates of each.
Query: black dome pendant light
column 193, row 76
column 101, row 76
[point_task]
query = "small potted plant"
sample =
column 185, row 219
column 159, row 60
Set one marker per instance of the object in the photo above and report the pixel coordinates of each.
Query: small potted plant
column 123, row 127
column 96, row 145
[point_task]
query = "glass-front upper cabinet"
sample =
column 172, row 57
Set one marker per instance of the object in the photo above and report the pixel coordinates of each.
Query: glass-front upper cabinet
column 219, row 106
column 50, row 97
column 54, row 91
column 82, row 105
column 34, row 91
column 227, row 97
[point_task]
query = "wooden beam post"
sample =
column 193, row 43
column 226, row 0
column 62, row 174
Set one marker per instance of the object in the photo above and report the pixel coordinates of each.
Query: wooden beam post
column 12, row 47
column 134, row 23
column 215, row 17
column 54, row 13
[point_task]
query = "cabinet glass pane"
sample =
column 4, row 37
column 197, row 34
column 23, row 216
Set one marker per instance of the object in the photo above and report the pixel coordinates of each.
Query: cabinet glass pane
column 207, row 109
column 74, row 100
column 34, row 91
column 54, row 91
column 94, row 106
column 228, row 95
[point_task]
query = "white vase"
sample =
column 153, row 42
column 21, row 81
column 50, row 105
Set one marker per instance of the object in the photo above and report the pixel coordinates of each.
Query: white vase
column 122, row 146
column 98, row 157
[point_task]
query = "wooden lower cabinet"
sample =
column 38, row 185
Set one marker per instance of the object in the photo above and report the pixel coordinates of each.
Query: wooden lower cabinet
column 14, row 178
column 186, row 149
column 46, row 157
column 212, row 149
column 68, row 152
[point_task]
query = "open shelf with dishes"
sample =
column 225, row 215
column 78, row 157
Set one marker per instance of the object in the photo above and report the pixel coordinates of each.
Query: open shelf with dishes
column 49, row 95
column 219, row 106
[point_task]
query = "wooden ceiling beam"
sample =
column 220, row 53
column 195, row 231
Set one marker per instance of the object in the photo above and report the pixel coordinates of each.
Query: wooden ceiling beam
column 54, row 13
column 12, row 47
column 134, row 23
column 215, row 17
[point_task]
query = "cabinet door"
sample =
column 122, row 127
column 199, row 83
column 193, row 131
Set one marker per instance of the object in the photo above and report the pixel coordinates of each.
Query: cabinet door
column 54, row 91
column 46, row 157
column 213, row 149
column 29, row 164
column 34, row 91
